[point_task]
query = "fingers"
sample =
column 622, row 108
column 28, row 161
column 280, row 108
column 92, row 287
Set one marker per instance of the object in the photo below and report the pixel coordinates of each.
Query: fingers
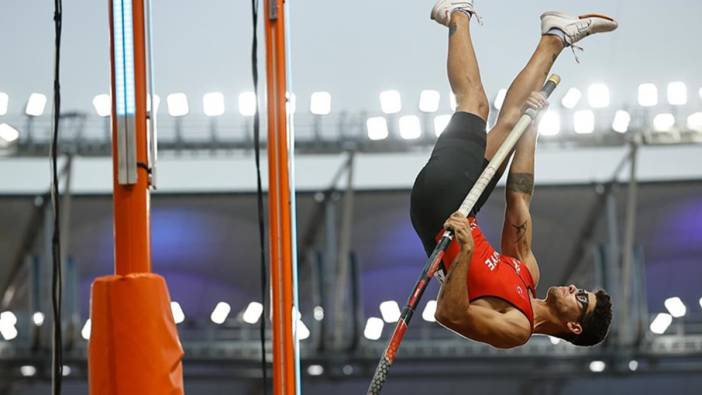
column 537, row 101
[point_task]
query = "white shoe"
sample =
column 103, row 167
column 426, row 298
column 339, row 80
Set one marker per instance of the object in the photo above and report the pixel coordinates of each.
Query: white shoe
column 576, row 28
column 444, row 8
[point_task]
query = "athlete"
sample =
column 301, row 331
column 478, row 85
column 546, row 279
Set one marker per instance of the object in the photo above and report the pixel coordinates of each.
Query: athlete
column 490, row 296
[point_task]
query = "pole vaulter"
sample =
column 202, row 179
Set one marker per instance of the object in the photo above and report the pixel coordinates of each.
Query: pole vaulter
column 280, row 226
column 134, row 346
column 432, row 263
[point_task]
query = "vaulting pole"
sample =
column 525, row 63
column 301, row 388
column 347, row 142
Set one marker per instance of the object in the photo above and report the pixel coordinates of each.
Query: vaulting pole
column 134, row 346
column 279, row 203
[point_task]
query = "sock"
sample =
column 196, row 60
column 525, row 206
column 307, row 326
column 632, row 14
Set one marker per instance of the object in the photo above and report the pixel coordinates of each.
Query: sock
column 558, row 33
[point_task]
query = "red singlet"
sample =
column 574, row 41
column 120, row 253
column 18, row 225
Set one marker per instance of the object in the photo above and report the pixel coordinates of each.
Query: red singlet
column 492, row 274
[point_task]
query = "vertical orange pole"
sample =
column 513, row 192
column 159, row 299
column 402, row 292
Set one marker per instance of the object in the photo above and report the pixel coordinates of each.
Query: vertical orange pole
column 134, row 346
column 131, row 202
column 284, row 358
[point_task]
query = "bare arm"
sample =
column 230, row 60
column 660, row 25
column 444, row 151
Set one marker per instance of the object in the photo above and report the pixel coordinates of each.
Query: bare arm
column 455, row 311
column 517, row 229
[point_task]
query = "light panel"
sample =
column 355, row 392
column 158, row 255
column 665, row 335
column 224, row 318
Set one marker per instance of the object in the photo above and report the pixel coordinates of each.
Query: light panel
column 597, row 366
column 648, row 95
column 177, row 104
column 318, row 313
column 373, row 329
column 694, row 122
column 571, row 98
column 28, row 371
column 584, row 122
column 663, row 122
column 550, row 124
column 429, row 311
column 213, row 104
column 677, row 93
column 622, row 120
column 315, row 370
column 598, row 96
column 178, row 315
column 247, row 104
column 85, row 331
column 377, row 128
column 661, row 323
column 123, row 37
column 500, row 99
column 220, row 313
column 410, row 127
column 35, row 105
column 4, row 101
column 38, row 318
column 8, row 134
column 103, row 105
column 675, row 307
column 440, row 123
column 252, row 313
column 390, row 311
column 390, row 102
column 302, row 331
column 320, row 103
column 429, row 101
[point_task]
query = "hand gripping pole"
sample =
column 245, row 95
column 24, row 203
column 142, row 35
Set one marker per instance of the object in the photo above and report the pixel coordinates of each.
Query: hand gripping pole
column 432, row 263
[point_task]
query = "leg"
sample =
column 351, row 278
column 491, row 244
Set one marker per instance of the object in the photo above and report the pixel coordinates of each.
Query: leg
column 463, row 71
column 530, row 79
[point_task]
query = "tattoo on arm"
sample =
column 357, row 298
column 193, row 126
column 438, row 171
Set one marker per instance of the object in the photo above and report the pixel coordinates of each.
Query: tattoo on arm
column 521, row 182
column 452, row 29
column 521, row 231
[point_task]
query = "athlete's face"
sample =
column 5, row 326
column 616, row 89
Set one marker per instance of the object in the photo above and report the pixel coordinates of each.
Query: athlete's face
column 571, row 305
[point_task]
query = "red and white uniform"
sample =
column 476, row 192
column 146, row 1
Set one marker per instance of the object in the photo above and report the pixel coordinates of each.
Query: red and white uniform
column 492, row 274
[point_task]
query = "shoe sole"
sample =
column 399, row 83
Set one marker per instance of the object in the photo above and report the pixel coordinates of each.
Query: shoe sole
column 585, row 16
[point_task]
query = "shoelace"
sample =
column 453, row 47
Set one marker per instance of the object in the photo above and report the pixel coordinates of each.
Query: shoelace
column 573, row 47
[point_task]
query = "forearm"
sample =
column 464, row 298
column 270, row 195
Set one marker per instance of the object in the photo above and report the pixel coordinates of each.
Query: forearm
column 520, row 181
column 453, row 301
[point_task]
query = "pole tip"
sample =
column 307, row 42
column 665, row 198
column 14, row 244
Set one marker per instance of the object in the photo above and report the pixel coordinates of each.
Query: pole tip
column 555, row 78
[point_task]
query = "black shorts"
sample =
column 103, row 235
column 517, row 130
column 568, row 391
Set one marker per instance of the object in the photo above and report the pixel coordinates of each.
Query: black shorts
column 455, row 165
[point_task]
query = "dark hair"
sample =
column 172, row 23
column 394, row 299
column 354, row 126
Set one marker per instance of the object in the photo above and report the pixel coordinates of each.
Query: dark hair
column 596, row 324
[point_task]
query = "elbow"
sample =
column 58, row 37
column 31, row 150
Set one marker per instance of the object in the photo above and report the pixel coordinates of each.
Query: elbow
column 450, row 318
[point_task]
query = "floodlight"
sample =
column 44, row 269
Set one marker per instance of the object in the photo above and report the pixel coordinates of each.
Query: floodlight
column 621, row 122
column 584, row 122
column 648, row 95
column 500, row 99
column 571, row 98
column 177, row 104
column 390, row 311
column 252, row 313
column 661, row 323
column 390, row 102
column 598, row 95
column 4, row 101
column 429, row 101
column 220, row 313
column 35, row 105
column 320, row 103
column 675, row 307
column 373, row 329
column 429, row 311
column 410, row 127
column 550, row 124
column 377, row 128
column 103, row 105
column 440, row 123
column 213, row 104
column 663, row 122
column 247, row 104
column 677, row 93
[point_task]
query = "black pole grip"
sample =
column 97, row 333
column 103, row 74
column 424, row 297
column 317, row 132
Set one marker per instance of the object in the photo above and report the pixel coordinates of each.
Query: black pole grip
column 551, row 84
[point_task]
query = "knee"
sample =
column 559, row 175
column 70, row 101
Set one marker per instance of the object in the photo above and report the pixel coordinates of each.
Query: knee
column 508, row 119
column 474, row 102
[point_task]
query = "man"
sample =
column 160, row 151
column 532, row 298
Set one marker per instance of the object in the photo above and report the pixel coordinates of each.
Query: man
column 489, row 296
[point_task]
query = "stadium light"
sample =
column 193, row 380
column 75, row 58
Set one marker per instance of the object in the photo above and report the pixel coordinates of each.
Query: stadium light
column 597, row 366
column 550, row 124
column 663, row 122
column 66, row 371
column 85, row 331
column 213, row 104
column 390, row 102
column 177, row 104
column 157, row 103
column 35, row 105
column 694, row 122
column 377, row 128
column 373, row 329
column 252, row 313
column 677, row 93
column 452, row 101
column 28, row 371
column 500, row 99
column 390, row 311
column 633, row 365
column 103, row 105
column 429, row 311
column 440, row 123
column 4, row 101
column 220, row 313
column 598, row 96
column 675, row 307
column 554, row 340
column 320, row 103
column 38, row 318
column 571, row 98
column 315, row 370
column 584, row 122
column 302, row 331
column 8, row 134
column 429, row 101
column 648, row 95
column 621, row 122
column 318, row 313
column 178, row 315
column 247, row 104
column 661, row 323
column 410, row 127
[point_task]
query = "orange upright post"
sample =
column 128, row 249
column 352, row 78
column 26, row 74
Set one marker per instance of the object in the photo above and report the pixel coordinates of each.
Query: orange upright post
column 280, row 239
column 134, row 346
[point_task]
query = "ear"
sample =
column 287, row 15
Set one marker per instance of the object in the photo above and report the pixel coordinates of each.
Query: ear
column 574, row 327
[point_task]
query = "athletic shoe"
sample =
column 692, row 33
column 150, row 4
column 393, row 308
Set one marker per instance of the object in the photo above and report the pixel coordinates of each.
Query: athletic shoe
column 444, row 8
column 575, row 28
